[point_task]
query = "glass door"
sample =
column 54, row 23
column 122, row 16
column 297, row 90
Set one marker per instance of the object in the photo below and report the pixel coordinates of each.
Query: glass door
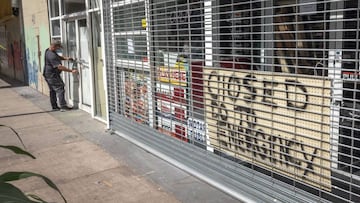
column 73, row 80
column 79, row 85
column 85, row 73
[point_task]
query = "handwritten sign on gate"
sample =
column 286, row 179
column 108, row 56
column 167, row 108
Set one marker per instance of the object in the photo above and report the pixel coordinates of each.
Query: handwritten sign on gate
column 175, row 75
column 275, row 121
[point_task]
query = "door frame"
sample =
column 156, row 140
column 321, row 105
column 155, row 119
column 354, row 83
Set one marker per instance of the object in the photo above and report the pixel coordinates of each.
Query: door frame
column 95, row 77
column 76, row 19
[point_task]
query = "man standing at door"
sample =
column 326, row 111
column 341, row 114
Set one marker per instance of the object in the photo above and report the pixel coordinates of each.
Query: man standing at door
column 52, row 70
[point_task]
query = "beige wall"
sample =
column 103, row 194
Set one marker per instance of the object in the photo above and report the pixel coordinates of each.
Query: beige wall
column 37, row 39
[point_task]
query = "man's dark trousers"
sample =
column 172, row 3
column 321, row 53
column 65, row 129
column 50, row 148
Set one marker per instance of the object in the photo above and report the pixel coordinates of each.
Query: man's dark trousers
column 57, row 90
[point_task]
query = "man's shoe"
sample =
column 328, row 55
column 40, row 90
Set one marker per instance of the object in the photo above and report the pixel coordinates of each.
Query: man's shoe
column 65, row 108
column 55, row 109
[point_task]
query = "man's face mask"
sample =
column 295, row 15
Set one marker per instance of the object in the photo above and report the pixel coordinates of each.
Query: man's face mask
column 59, row 50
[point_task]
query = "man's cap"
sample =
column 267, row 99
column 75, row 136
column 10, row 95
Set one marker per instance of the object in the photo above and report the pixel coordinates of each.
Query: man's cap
column 56, row 43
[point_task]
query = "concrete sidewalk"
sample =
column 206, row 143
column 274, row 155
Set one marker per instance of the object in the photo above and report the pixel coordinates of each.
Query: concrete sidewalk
column 83, row 171
column 87, row 164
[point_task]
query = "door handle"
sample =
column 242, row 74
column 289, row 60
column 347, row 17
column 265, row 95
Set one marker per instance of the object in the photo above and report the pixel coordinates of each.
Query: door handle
column 79, row 61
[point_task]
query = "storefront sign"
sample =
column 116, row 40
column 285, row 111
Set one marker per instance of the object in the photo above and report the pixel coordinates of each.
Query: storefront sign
column 168, row 92
column 351, row 75
column 172, row 128
column 171, row 111
column 196, row 130
column 175, row 75
column 136, row 97
column 275, row 121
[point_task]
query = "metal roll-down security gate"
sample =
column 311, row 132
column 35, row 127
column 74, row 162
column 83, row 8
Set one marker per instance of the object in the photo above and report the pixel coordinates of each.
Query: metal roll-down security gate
column 259, row 98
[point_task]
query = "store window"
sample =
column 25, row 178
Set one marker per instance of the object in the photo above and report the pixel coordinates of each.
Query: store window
column 129, row 31
column 131, row 47
column 178, row 54
column 73, row 6
column 130, row 51
column 129, row 17
column 178, row 28
column 136, row 105
column 54, row 12
column 55, row 25
column 95, row 3
column 300, row 38
column 54, row 8
column 279, row 36
column 349, row 139
column 251, row 110
column 237, row 28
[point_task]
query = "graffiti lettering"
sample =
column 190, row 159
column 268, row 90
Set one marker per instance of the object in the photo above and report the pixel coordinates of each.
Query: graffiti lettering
column 236, row 88
column 248, row 80
column 268, row 120
column 268, row 92
column 292, row 96
column 244, row 135
column 237, row 126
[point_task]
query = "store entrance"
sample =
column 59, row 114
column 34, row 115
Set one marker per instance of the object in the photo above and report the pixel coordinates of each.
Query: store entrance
column 79, row 86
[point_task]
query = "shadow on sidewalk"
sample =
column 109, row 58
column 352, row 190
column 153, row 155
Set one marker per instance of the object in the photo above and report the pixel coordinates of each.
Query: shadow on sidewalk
column 6, row 82
column 25, row 114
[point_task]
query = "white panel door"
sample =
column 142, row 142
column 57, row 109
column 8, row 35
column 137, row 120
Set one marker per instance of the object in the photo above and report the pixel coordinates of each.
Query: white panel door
column 84, row 57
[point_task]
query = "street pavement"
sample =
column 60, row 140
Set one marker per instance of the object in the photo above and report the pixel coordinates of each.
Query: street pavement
column 86, row 162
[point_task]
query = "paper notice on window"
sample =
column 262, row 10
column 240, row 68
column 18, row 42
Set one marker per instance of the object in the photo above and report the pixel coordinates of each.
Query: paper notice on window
column 131, row 49
column 307, row 6
column 143, row 22
column 170, row 58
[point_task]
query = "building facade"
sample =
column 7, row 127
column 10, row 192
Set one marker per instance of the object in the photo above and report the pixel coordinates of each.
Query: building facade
column 270, row 85
column 26, row 30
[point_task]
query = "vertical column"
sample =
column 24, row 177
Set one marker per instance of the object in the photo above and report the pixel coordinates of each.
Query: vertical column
column 208, row 49
column 267, row 30
column 334, row 64
column 148, row 62
column 208, row 33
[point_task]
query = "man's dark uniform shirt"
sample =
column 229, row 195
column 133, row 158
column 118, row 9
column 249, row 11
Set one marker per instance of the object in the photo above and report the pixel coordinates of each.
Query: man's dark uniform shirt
column 53, row 78
column 51, row 71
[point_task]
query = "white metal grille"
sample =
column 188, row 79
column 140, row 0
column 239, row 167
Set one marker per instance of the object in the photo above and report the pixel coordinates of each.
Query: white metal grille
column 271, row 85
